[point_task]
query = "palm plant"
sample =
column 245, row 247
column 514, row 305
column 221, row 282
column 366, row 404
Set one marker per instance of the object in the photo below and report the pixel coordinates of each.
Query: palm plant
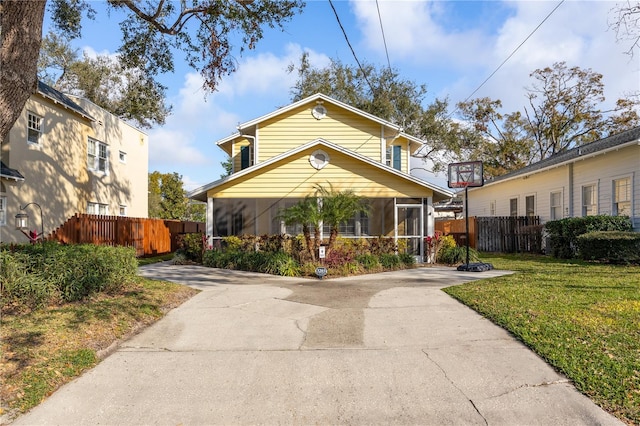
column 306, row 213
column 339, row 207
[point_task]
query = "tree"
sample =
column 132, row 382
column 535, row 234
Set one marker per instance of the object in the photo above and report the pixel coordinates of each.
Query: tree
column 383, row 93
column 227, row 166
column 306, row 212
column 166, row 196
column 563, row 112
column 126, row 93
column 338, row 207
column 152, row 31
column 626, row 24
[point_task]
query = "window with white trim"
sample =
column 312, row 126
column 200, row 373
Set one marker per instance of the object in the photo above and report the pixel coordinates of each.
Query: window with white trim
column 555, row 203
column 122, row 156
column 97, row 208
column 122, row 210
column 34, row 128
column 530, row 205
column 97, row 156
column 394, row 156
column 622, row 197
column 3, row 210
column 513, row 207
column 492, row 208
column 589, row 200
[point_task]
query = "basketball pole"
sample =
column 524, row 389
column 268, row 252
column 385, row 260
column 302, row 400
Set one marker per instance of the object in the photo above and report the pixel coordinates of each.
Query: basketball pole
column 466, row 218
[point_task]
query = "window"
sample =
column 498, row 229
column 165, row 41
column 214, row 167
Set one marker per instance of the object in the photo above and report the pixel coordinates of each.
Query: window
column 97, row 156
column 589, row 200
column 513, row 207
column 97, row 208
column 492, row 208
column 122, row 210
column 3, row 210
column 394, row 156
column 357, row 226
column 246, row 157
column 530, row 205
column 622, row 197
column 122, row 156
column 555, row 205
column 34, row 128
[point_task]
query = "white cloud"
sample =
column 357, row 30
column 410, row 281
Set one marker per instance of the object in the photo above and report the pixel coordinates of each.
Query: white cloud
column 173, row 147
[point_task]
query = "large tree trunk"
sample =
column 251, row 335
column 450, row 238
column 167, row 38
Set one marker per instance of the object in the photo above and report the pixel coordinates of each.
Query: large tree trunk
column 21, row 36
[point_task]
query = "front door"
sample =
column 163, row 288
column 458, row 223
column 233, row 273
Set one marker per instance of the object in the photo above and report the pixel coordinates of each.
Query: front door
column 409, row 229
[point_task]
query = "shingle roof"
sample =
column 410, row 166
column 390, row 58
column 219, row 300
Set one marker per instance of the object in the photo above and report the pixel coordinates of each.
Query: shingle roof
column 61, row 98
column 9, row 173
column 575, row 153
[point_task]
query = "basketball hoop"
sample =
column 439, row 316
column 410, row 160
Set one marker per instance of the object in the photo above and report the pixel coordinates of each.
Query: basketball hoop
column 468, row 174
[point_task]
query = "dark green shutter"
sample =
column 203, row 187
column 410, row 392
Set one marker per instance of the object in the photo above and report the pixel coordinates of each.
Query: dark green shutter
column 244, row 157
column 397, row 152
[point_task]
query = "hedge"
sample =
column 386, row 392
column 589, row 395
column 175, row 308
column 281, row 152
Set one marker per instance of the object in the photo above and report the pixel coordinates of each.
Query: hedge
column 610, row 246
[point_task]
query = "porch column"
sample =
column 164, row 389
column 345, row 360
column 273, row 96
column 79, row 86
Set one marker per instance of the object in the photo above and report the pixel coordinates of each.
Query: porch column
column 430, row 218
column 209, row 222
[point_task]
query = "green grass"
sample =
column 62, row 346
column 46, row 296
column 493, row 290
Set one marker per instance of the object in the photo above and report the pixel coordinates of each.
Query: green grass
column 48, row 347
column 584, row 319
column 149, row 260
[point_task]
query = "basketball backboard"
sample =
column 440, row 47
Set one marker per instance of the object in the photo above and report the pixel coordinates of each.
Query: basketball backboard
column 467, row 174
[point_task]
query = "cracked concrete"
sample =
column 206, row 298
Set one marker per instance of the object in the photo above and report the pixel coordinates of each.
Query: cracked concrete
column 256, row 349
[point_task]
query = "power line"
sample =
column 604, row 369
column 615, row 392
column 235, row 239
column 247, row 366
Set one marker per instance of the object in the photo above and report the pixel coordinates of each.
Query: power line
column 511, row 54
column 384, row 40
column 364, row 73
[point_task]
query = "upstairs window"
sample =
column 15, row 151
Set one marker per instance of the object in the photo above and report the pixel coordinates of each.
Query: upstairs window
column 122, row 156
column 492, row 208
column 246, row 157
column 97, row 156
column 622, row 197
column 394, row 157
column 34, row 128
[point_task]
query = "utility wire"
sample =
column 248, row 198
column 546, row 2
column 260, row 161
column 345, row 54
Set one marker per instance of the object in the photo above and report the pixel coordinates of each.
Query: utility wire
column 384, row 40
column 364, row 73
column 511, row 54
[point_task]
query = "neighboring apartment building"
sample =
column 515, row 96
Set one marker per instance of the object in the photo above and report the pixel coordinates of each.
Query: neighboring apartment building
column 602, row 177
column 281, row 157
column 70, row 156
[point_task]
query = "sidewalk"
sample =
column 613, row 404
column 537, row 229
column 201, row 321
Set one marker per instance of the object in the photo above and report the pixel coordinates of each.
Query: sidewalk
column 382, row 349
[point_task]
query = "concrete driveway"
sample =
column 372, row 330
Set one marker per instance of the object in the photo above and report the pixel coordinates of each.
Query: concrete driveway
column 382, row 349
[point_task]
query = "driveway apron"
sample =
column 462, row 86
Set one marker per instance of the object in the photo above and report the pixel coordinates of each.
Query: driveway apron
column 388, row 348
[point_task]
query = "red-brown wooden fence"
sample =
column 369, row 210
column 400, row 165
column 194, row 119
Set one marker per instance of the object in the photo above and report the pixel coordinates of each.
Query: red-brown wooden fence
column 148, row 236
column 457, row 229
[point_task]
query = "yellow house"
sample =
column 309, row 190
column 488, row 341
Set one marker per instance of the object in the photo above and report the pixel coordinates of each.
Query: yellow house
column 70, row 156
column 281, row 157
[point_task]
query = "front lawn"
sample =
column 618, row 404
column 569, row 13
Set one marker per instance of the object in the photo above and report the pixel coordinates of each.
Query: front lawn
column 584, row 319
column 45, row 348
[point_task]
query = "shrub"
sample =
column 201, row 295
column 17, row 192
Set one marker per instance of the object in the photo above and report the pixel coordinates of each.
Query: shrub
column 563, row 233
column 339, row 255
column 407, row 259
column 224, row 259
column 21, row 289
column 610, row 246
column 389, row 261
column 455, row 255
column 447, row 242
column 192, row 246
column 368, row 261
column 382, row 245
column 280, row 263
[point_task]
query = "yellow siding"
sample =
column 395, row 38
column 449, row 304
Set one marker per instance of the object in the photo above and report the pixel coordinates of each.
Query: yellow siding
column 294, row 177
column 237, row 158
column 342, row 127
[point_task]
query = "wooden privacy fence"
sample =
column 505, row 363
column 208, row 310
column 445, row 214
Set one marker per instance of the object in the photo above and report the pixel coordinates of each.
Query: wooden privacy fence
column 509, row 234
column 500, row 234
column 457, row 229
column 148, row 236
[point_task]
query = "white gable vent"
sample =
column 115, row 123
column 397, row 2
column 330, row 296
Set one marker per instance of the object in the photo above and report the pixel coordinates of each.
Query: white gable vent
column 319, row 159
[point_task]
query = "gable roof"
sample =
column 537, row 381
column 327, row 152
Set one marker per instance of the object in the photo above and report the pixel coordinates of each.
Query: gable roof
column 324, row 98
column 9, row 173
column 599, row 147
column 60, row 98
column 201, row 193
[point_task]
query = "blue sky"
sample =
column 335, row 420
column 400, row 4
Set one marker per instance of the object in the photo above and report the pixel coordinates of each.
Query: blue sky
column 451, row 46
